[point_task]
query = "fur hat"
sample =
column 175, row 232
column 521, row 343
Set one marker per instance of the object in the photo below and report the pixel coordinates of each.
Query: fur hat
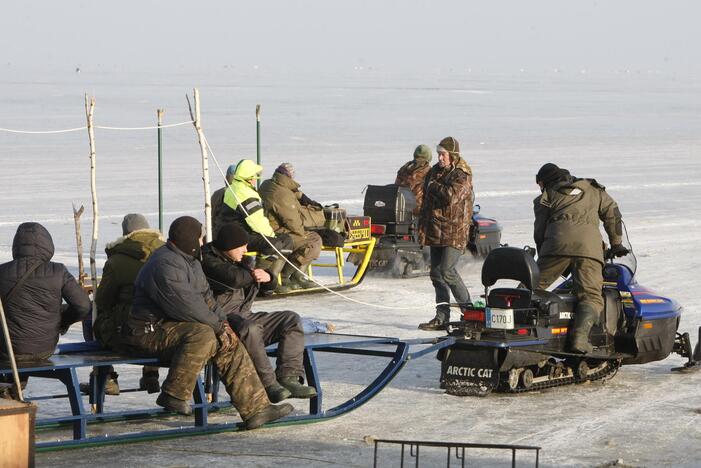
column 185, row 233
column 133, row 222
column 450, row 145
column 423, row 153
column 286, row 169
column 231, row 236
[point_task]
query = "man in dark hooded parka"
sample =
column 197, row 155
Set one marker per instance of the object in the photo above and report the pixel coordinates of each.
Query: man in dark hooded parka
column 32, row 289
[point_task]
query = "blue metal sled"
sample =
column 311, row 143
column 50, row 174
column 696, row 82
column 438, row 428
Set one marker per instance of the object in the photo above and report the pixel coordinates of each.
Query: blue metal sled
column 63, row 367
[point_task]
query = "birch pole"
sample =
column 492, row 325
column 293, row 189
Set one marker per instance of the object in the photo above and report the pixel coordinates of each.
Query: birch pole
column 10, row 352
column 196, row 118
column 89, row 110
column 79, row 243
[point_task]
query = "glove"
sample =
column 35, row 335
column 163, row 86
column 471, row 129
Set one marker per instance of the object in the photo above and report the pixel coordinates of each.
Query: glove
column 227, row 338
column 616, row 251
column 306, row 201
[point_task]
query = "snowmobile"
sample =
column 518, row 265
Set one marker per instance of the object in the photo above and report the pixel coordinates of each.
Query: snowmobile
column 519, row 340
column 394, row 225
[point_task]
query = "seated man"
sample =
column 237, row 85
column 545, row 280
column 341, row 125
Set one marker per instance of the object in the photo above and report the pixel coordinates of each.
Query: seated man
column 413, row 173
column 235, row 286
column 32, row 288
column 175, row 318
column 115, row 293
column 289, row 212
column 242, row 204
column 217, row 199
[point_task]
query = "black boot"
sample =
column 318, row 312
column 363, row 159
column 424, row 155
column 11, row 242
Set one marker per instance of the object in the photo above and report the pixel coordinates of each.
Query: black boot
column 287, row 285
column 277, row 393
column 173, row 404
column 268, row 414
column 149, row 380
column 584, row 318
column 434, row 324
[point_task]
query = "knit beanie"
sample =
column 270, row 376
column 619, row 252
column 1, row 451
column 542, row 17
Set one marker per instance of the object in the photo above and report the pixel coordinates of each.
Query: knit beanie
column 230, row 173
column 286, row 169
column 549, row 173
column 185, row 233
column 133, row 222
column 450, row 145
column 231, row 236
column 423, row 153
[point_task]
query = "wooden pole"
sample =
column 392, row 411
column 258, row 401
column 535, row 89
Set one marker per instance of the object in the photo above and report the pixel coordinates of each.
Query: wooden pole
column 10, row 352
column 89, row 111
column 79, row 243
column 197, row 121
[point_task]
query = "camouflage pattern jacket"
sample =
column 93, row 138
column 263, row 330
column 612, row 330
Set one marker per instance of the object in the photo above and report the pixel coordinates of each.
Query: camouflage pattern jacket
column 412, row 175
column 446, row 211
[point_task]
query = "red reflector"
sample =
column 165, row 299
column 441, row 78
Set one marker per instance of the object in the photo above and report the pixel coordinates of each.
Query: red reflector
column 406, row 238
column 377, row 229
column 473, row 315
column 522, row 331
column 366, row 222
column 486, row 222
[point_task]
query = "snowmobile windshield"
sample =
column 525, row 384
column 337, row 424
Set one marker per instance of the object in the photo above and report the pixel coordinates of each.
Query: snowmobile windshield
column 629, row 261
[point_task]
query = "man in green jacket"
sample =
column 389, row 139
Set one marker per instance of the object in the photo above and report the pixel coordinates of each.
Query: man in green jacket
column 567, row 237
column 289, row 211
column 115, row 293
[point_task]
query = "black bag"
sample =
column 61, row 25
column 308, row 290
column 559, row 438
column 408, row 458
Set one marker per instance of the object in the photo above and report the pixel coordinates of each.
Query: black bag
column 331, row 238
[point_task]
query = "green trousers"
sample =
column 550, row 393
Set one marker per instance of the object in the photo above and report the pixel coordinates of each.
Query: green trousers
column 187, row 346
column 587, row 279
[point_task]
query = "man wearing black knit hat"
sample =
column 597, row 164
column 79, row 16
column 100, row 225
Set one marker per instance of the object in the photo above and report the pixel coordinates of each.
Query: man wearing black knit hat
column 567, row 237
column 175, row 318
column 235, row 285
column 444, row 224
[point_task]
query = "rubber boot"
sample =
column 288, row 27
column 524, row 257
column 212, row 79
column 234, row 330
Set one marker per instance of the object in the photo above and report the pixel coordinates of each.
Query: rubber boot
column 584, row 319
column 268, row 414
column 111, row 385
column 296, row 389
column 286, row 285
column 277, row 393
column 301, row 279
column 173, row 404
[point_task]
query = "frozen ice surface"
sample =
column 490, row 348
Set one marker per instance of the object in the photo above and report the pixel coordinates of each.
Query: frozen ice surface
column 637, row 134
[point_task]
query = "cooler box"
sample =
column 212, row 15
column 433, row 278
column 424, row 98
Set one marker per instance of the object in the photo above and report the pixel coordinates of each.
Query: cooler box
column 387, row 204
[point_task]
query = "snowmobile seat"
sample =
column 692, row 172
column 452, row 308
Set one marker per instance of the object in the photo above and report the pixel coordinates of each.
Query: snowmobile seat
column 510, row 263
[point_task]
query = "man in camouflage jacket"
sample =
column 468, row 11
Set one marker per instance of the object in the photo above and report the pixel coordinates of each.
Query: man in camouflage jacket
column 444, row 226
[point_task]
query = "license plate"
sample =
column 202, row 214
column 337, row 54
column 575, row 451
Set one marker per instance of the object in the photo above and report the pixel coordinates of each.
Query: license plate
column 500, row 318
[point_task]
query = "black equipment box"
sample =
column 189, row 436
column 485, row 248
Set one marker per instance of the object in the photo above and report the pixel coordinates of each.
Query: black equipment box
column 389, row 204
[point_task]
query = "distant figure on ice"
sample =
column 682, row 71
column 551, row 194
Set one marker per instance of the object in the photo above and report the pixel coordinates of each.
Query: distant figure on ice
column 444, row 226
column 291, row 212
column 32, row 289
column 413, row 173
column 567, row 237
column 235, row 285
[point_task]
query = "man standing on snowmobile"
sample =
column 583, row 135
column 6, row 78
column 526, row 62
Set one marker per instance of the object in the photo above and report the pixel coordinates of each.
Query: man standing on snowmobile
column 413, row 173
column 567, row 237
column 444, row 226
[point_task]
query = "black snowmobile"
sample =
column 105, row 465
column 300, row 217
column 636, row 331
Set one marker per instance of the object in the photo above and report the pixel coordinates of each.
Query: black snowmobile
column 394, row 225
column 519, row 341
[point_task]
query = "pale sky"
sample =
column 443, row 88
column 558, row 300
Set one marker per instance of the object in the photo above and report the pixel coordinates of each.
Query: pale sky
column 498, row 35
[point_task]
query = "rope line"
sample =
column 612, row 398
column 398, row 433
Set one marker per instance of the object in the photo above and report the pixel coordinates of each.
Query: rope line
column 101, row 127
column 341, row 295
column 67, row 130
